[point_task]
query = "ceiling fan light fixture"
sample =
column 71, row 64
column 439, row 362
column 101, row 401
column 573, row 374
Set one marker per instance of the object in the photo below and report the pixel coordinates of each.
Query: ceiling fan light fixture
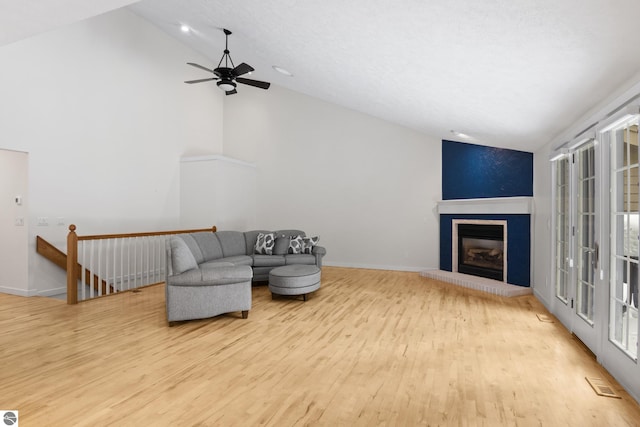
column 226, row 85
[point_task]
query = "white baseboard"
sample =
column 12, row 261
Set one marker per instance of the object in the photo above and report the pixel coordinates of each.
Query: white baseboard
column 377, row 267
column 542, row 299
column 52, row 292
column 19, row 292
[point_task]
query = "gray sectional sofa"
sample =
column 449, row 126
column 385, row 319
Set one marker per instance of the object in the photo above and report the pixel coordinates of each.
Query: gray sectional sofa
column 210, row 273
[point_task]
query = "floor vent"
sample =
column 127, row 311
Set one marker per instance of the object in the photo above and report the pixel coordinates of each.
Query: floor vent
column 544, row 318
column 601, row 387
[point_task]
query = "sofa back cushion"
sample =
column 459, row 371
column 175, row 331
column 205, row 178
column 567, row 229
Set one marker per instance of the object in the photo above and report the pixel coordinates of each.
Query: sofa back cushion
column 182, row 258
column 282, row 244
column 209, row 246
column 193, row 246
column 232, row 243
column 290, row 233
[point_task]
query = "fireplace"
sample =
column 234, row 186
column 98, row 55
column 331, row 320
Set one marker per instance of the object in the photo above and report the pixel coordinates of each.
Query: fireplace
column 479, row 248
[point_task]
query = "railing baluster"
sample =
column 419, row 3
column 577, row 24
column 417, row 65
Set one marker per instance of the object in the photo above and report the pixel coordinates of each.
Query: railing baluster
column 129, row 263
column 96, row 278
column 146, row 250
column 82, row 268
column 113, row 265
column 106, row 264
column 121, row 281
column 88, row 271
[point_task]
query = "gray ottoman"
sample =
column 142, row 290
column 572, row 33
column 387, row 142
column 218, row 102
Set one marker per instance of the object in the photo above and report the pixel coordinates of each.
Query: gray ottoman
column 294, row 279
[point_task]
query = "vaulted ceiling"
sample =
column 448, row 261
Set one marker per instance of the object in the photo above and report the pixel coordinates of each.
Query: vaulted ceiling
column 508, row 73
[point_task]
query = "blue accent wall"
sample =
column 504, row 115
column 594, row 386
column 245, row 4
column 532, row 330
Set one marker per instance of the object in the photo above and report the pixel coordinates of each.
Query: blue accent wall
column 518, row 244
column 471, row 171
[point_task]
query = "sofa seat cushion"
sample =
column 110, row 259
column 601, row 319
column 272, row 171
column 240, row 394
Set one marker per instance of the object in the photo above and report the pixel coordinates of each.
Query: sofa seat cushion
column 211, row 276
column 300, row 259
column 238, row 260
column 226, row 275
column 268, row 260
column 216, row 263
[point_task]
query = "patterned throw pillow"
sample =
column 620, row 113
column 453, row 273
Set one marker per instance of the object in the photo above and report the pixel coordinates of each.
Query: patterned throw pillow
column 264, row 243
column 295, row 245
column 308, row 243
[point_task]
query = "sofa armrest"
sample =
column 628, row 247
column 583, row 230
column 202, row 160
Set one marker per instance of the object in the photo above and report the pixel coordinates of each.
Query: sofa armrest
column 319, row 252
column 212, row 275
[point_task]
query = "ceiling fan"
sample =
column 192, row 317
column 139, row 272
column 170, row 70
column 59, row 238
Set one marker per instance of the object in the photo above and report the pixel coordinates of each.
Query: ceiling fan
column 228, row 76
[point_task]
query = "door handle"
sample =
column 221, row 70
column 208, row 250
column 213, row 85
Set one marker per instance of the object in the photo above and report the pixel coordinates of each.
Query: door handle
column 596, row 255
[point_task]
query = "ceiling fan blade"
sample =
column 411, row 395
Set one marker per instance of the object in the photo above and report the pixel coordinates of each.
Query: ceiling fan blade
column 242, row 69
column 256, row 83
column 200, row 66
column 201, row 80
column 231, row 92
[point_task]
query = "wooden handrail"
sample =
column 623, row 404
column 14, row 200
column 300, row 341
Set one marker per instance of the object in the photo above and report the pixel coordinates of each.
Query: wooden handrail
column 151, row 233
column 51, row 253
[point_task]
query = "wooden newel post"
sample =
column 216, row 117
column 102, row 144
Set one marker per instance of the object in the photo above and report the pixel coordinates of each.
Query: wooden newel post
column 72, row 265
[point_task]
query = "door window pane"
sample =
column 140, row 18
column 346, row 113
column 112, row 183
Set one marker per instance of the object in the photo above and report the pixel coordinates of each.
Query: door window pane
column 586, row 233
column 623, row 316
column 562, row 229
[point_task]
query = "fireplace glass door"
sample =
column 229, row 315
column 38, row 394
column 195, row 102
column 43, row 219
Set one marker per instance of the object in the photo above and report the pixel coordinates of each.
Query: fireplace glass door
column 481, row 250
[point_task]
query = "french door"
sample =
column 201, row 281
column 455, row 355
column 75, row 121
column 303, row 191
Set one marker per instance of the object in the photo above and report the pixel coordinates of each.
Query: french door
column 577, row 254
column 597, row 238
column 623, row 285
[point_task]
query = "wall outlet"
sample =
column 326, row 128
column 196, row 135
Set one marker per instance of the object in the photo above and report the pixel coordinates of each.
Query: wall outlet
column 43, row 221
column 19, row 222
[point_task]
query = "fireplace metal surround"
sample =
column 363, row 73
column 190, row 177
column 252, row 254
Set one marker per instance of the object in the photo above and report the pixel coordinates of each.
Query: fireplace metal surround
column 492, row 242
column 481, row 250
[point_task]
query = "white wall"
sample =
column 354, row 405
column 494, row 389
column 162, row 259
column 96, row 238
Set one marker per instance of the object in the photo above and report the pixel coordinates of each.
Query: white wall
column 102, row 110
column 13, row 243
column 217, row 190
column 367, row 187
column 541, row 238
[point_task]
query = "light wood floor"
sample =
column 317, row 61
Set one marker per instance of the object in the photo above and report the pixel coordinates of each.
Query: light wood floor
column 369, row 348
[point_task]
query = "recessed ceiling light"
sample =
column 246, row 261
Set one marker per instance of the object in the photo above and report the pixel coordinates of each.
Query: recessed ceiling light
column 185, row 28
column 282, row 71
column 460, row 134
